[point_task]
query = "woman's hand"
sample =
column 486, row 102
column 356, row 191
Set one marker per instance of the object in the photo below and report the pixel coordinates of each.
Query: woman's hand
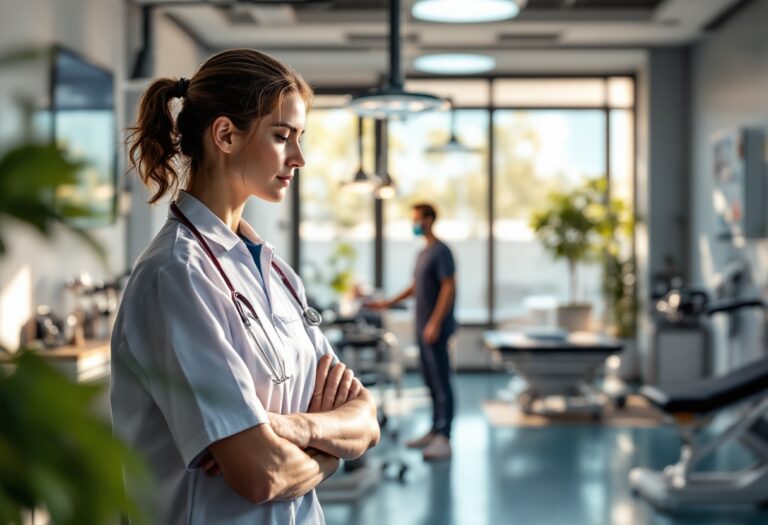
column 294, row 427
column 209, row 465
column 334, row 385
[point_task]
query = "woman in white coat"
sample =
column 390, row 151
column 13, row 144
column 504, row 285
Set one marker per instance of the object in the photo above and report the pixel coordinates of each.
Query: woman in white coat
column 220, row 376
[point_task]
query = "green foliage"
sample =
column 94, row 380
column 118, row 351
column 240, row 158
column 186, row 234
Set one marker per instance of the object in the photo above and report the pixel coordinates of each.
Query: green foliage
column 584, row 225
column 568, row 226
column 54, row 453
column 29, row 174
column 342, row 263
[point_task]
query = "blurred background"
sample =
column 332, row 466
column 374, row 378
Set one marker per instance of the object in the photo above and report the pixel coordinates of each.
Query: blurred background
column 647, row 117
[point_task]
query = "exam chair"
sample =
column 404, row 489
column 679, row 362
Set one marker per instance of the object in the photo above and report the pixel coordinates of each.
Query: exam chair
column 693, row 408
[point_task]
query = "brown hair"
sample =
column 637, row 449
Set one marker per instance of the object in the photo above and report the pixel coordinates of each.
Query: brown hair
column 242, row 84
column 427, row 211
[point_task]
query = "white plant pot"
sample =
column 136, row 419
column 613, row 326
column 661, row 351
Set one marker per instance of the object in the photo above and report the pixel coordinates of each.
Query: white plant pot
column 574, row 317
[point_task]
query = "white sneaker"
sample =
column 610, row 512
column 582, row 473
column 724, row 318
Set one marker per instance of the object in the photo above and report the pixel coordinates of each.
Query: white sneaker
column 439, row 448
column 421, row 442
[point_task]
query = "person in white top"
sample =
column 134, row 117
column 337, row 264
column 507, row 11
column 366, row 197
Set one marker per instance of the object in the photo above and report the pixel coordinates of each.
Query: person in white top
column 221, row 378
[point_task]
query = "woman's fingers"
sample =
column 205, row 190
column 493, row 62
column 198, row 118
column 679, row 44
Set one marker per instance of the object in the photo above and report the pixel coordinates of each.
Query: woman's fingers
column 210, row 466
column 344, row 386
column 332, row 386
column 323, row 367
column 355, row 389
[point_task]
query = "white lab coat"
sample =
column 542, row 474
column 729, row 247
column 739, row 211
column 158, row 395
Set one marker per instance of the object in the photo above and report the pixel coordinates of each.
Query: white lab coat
column 185, row 373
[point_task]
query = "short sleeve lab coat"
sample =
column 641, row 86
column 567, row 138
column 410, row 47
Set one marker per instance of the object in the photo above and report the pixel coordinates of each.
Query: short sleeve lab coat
column 185, row 373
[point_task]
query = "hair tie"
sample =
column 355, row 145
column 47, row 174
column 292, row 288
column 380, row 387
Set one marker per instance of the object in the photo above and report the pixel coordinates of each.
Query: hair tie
column 180, row 90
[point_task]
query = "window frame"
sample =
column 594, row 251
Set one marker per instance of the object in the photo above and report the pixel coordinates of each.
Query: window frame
column 381, row 130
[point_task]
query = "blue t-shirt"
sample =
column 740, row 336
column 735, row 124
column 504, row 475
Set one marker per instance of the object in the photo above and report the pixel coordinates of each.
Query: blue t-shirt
column 434, row 264
column 255, row 250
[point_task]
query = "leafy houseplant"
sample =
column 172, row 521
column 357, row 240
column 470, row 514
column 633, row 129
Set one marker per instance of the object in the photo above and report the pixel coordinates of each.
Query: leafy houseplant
column 342, row 263
column 583, row 225
column 568, row 229
column 55, row 453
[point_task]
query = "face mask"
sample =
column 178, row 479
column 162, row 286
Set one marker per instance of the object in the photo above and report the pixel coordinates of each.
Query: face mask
column 418, row 230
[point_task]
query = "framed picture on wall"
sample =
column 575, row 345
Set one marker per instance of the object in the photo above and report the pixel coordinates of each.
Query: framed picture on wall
column 739, row 186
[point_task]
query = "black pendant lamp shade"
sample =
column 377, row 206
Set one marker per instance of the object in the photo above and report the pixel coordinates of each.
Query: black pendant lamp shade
column 453, row 145
column 392, row 100
column 361, row 182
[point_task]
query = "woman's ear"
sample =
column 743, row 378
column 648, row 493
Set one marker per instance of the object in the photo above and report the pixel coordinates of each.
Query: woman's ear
column 223, row 134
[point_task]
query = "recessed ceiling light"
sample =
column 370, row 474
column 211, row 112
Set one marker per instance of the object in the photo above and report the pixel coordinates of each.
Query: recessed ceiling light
column 464, row 11
column 454, row 63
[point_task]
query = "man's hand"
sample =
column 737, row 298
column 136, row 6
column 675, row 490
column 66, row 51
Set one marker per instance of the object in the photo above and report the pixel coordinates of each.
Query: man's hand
column 431, row 332
column 376, row 305
column 334, row 386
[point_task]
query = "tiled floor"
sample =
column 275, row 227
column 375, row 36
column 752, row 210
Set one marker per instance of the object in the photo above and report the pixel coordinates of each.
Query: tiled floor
column 570, row 475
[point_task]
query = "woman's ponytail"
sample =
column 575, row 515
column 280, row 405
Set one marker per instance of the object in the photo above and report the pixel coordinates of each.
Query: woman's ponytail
column 154, row 141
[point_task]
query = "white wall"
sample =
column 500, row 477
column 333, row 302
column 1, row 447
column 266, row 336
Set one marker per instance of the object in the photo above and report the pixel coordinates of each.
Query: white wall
column 729, row 88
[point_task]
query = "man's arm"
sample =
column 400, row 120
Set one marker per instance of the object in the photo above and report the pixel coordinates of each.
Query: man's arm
column 444, row 300
column 261, row 466
column 402, row 296
column 342, row 418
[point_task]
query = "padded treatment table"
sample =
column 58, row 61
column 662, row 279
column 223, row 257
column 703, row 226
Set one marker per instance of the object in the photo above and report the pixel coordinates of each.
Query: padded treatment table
column 557, row 369
column 694, row 407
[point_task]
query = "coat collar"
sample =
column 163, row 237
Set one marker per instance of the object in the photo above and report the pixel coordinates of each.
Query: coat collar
column 207, row 223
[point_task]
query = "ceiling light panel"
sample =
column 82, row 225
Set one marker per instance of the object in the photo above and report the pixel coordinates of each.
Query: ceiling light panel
column 454, row 64
column 464, row 11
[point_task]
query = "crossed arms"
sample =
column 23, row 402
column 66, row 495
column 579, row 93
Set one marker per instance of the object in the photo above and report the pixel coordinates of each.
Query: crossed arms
column 292, row 454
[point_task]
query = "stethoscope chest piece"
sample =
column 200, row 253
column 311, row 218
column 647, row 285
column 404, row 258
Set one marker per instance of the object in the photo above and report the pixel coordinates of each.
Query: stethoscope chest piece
column 312, row 316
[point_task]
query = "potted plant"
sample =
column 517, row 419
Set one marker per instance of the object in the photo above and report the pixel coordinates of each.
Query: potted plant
column 568, row 228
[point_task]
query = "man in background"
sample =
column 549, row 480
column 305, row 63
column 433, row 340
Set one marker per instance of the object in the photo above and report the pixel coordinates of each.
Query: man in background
column 434, row 286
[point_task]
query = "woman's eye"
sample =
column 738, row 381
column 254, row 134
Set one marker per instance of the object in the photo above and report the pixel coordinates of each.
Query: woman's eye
column 280, row 138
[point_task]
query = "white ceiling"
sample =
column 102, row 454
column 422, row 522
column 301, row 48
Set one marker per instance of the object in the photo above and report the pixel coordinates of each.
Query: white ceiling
column 333, row 45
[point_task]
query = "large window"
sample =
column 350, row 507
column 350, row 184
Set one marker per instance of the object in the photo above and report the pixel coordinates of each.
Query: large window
column 456, row 182
column 336, row 227
column 535, row 153
column 542, row 134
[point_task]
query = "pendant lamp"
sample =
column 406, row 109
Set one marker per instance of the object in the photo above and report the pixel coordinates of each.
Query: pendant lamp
column 391, row 100
column 453, row 145
column 361, row 182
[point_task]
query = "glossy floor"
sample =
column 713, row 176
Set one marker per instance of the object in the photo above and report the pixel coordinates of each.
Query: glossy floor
column 570, row 475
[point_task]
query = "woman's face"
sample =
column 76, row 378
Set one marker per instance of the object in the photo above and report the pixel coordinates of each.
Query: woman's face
column 272, row 153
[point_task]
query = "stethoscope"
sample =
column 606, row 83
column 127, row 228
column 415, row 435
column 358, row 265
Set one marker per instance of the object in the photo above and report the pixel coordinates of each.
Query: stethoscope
column 311, row 316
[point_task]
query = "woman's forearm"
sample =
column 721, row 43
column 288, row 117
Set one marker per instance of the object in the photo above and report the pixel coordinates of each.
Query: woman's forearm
column 345, row 432
column 263, row 466
column 308, row 473
column 348, row 431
